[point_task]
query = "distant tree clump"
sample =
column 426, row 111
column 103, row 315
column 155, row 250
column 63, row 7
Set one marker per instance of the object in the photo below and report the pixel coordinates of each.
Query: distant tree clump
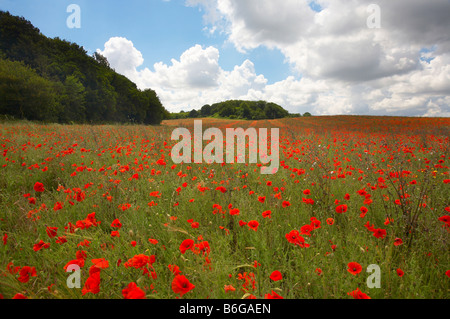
column 54, row 80
column 237, row 109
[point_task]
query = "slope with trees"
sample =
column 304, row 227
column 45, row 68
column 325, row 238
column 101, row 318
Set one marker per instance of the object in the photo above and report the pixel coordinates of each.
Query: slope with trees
column 54, row 80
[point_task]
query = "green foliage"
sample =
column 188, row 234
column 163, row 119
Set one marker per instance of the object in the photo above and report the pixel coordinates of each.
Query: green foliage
column 237, row 109
column 26, row 94
column 54, row 80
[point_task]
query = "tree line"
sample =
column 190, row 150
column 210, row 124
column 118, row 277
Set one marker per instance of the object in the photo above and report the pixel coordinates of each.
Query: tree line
column 54, row 80
column 238, row 109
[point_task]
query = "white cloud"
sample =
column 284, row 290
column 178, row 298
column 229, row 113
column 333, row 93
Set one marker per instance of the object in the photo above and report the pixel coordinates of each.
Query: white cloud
column 346, row 67
column 122, row 55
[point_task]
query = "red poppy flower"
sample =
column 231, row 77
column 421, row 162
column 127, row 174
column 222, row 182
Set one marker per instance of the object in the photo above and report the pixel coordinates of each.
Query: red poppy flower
column 195, row 225
column 286, row 203
column 92, row 284
column 185, row 245
column 25, row 273
column 354, row 268
column 133, row 292
column 400, row 272
column 61, row 240
column 40, row 245
column 39, row 187
column 398, row 242
column 51, row 231
column 294, row 238
column 229, row 288
column 221, row 189
column 341, row 209
column 306, row 230
column 364, row 211
column 115, row 233
column 181, row 285
column 307, row 192
column 175, row 269
column 116, row 223
column 253, row 224
column 234, row 211
column 261, row 199
column 57, row 206
column 445, row 219
column 98, row 264
column 267, row 214
column 330, row 221
column 379, row 233
column 358, row 294
column 273, row 295
column 276, row 275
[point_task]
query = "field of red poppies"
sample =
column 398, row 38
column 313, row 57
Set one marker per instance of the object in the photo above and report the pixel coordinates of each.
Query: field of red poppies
column 359, row 208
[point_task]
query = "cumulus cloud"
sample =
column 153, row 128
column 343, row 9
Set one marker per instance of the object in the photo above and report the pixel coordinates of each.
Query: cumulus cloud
column 402, row 68
column 122, row 54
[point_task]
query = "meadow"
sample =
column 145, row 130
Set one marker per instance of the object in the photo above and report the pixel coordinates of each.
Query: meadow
column 351, row 193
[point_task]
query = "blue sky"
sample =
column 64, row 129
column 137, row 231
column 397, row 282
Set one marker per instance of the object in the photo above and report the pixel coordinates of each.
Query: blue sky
column 161, row 30
column 317, row 56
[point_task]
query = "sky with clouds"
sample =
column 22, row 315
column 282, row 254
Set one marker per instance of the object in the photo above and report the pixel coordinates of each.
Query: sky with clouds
column 325, row 57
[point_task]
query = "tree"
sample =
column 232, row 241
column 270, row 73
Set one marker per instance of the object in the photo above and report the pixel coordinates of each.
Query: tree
column 26, row 95
column 205, row 111
column 73, row 85
column 73, row 100
column 307, row 114
column 193, row 113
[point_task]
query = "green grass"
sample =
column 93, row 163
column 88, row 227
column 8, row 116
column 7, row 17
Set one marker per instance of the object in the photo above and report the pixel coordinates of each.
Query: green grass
column 423, row 256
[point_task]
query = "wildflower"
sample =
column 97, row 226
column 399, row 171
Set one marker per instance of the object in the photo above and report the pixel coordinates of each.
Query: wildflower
column 341, row 209
column 364, row 211
column 398, row 242
column 276, row 275
column 40, row 245
column 116, row 223
column 51, row 231
column 25, row 273
column 354, row 268
column 92, row 284
column 267, row 214
column 229, row 288
column 358, row 294
column 253, row 224
column 379, row 233
column 186, row 244
column 272, row 295
column 181, row 285
column 132, row 291
column 294, row 238
column 39, row 187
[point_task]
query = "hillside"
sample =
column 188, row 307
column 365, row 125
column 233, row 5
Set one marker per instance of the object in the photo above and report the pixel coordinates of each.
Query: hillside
column 238, row 109
column 53, row 80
